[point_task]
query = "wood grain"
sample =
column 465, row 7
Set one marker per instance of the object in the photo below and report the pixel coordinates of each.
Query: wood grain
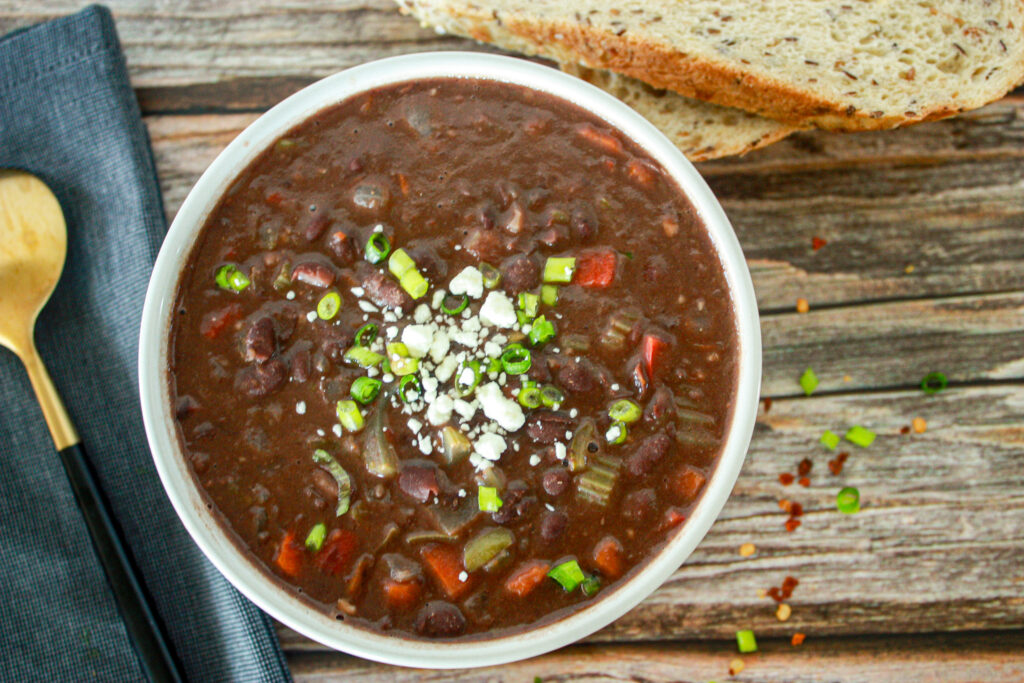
column 951, row 659
column 939, row 543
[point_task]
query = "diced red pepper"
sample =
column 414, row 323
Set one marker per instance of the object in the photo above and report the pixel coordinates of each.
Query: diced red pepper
column 289, row 555
column 274, row 199
column 605, row 141
column 215, row 322
column 337, row 552
column 608, row 557
column 687, row 483
column 652, row 347
column 445, row 564
column 401, row 595
column 640, row 172
column 527, row 577
column 673, row 518
column 595, row 268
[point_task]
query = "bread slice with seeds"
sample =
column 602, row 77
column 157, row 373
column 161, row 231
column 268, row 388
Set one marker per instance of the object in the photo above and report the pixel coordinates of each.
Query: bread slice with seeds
column 836, row 64
column 701, row 130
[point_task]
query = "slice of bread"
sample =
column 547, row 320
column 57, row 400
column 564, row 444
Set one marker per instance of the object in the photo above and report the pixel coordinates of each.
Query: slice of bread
column 836, row 64
column 701, row 130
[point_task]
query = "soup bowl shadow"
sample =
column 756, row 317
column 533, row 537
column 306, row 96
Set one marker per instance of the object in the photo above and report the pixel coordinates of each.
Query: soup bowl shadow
column 256, row 582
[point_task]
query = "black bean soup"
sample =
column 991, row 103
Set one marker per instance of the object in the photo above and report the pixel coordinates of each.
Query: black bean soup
column 453, row 357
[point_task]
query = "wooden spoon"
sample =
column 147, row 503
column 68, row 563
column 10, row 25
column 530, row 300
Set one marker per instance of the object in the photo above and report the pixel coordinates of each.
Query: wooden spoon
column 33, row 245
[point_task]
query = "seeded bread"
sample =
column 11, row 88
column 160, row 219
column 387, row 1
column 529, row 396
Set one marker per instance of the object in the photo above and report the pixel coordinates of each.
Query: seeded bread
column 701, row 130
column 836, row 64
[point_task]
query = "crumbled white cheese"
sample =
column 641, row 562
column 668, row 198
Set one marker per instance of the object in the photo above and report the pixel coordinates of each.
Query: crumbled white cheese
column 425, row 444
column 379, row 227
column 498, row 311
column 357, row 292
column 300, row 407
column 469, row 282
column 435, row 303
column 321, row 432
column 418, row 339
column 613, row 434
column 367, row 306
column 491, row 446
column 290, row 295
column 492, row 349
column 463, row 576
column 573, row 413
column 414, row 425
column 336, row 429
column 422, row 314
column 534, row 460
column 465, row 409
column 462, row 493
column 446, row 368
column 311, row 316
column 391, row 331
column 439, row 346
column 440, row 410
column 504, row 411
column 560, row 450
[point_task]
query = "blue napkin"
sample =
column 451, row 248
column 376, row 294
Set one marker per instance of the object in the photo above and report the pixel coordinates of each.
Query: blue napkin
column 68, row 115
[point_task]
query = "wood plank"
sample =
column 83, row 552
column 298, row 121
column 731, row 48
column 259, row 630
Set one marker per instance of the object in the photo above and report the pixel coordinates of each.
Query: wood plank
column 975, row 657
column 938, row 545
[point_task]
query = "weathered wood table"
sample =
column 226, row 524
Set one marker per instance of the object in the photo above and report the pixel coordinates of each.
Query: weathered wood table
column 923, row 270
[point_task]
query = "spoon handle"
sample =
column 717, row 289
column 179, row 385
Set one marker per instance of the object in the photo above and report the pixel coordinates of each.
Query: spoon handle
column 141, row 621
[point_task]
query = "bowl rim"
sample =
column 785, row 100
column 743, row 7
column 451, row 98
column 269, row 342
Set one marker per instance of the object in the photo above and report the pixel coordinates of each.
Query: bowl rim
column 200, row 521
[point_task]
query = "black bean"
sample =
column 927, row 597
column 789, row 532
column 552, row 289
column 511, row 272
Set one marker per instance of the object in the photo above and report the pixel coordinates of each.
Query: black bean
column 419, row 482
column 553, row 525
column 548, row 426
column 314, row 274
column 555, row 481
column 519, row 274
column 440, row 619
column 648, row 453
column 343, row 247
column 316, row 227
column 576, row 377
column 260, row 340
column 384, row 291
column 639, row 505
column 325, row 483
column 429, row 262
column 262, row 379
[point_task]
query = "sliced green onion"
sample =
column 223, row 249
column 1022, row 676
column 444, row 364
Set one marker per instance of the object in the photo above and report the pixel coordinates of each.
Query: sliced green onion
column 329, row 306
column 808, row 381
column 414, row 283
column 523, row 319
column 349, row 416
column 516, row 359
column 542, row 331
column 315, row 537
column 625, row 410
column 746, row 642
column 399, row 360
column 549, row 294
column 365, row 389
column 590, row 586
column 830, row 439
column 493, row 365
column 341, row 478
column 551, row 396
column 934, row 382
column 559, row 269
column 487, row 498
column 568, row 574
column 529, row 396
column 377, row 248
column 529, row 303
column 364, row 357
column 467, row 377
column 454, row 304
column 491, row 275
column 229, row 277
column 400, row 263
column 860, row 436
column 366, row 334
column 409, row 389
column 617, row 433
column 848, row 501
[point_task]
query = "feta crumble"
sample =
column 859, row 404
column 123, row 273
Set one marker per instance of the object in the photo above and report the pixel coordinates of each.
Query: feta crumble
column 498, row 311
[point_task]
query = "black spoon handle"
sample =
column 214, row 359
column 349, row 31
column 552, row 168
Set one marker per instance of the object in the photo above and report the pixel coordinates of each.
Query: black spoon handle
column 141, row 620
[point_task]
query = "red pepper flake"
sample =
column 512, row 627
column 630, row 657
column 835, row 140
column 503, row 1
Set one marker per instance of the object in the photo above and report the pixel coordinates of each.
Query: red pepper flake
column 905, row 429
column 836, row 465
column 817, row 243
column 786, row 478
column 775, row 594
column 804, row 481
column 767, row 403
column 792, row 524
column 796, row 510
column 788, row 585
column 785, row 505
column 804, row 467
column 798, row 639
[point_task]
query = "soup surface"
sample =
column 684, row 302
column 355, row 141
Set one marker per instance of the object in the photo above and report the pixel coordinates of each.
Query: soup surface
column 453, row 357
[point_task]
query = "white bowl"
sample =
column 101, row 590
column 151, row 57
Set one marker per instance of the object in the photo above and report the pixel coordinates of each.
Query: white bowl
column 256, row 583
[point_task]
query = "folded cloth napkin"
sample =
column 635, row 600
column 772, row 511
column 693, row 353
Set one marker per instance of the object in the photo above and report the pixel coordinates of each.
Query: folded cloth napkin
column 68, row 115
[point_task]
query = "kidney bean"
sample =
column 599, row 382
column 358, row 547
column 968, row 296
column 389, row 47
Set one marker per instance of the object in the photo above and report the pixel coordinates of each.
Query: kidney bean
column 384, row 292
column 440, row 619
column 519, row 273
column 260, row 342
column 553, row 525
column 555, row 481
column 648, row 453
column 262, row 379
column 316, row 227
column 419, row 481
column 325, row 483
column 576, row 377
column 486, row 245
column 548, row 426
column 313, row 274
column 343, row 247
column 660, row 406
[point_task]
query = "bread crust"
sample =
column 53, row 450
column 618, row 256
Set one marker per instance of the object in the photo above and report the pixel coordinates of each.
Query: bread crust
column 663, row 66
